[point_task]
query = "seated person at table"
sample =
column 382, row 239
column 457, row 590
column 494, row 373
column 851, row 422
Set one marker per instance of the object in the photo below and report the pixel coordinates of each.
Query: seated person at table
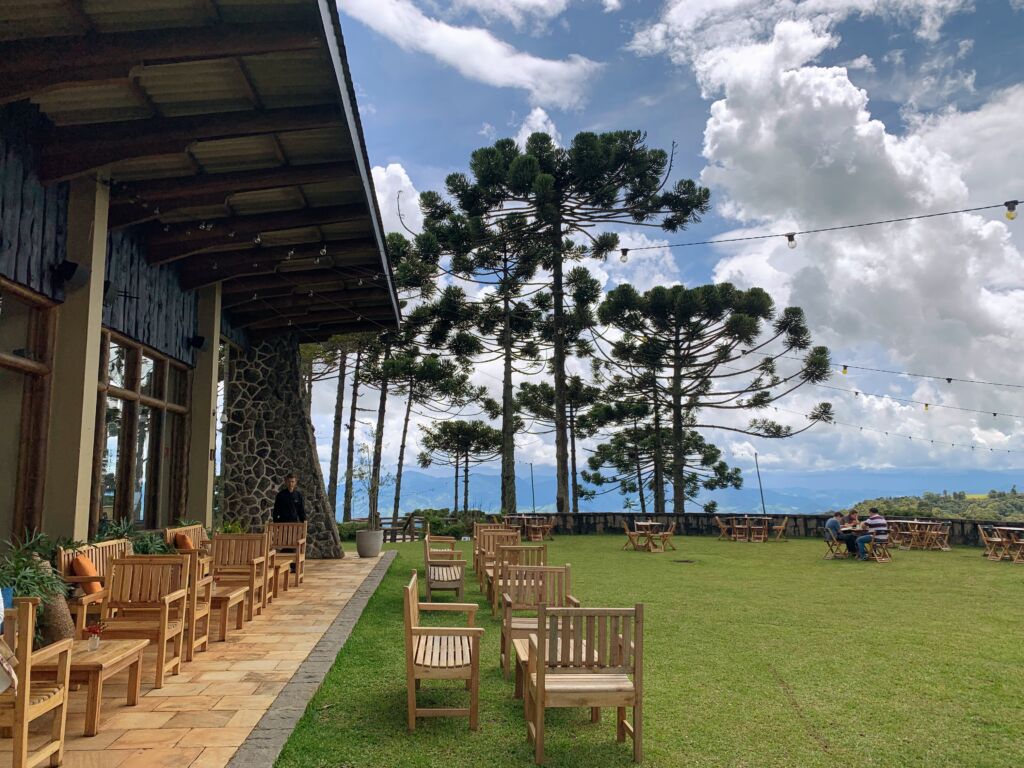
column 834, row 529
column 877, row 531
column 851, row 520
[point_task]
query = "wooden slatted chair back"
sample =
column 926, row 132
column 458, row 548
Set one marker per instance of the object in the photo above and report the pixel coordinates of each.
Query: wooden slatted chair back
column 491, row 540
column 521, row 554
column 142, row 581
column 412, row 604
column 286, row 535
column 238, row 549
column 589, row 640
column 196, row 534
column 102, row 554
column 530, row 586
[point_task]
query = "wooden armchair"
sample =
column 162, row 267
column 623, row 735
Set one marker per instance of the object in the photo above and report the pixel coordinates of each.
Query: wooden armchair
column 440, row 653
column 34, row 698
column 632, row 538
column 526, row 588
column 443, row 571
column 520, row 554
column 289, row 540
column 586, row 657
column 186, row 539
column 724, row 529
column 147, row 601
column 87, row 570
column 198, row 604
column 241, row 558
column 479, row 532
column 488, row 551
column 440, row 547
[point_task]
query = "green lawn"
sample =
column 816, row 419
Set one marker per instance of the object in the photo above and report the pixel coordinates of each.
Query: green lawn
column 756, row 655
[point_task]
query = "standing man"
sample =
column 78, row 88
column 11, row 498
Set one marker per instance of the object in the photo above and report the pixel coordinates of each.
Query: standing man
column 289, row 506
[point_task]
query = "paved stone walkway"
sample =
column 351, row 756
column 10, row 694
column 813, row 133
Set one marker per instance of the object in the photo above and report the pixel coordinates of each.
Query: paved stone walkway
column 244, row 695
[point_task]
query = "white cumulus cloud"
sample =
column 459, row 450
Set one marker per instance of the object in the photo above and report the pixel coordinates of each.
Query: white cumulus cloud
column 395, row 192
column 538, row 121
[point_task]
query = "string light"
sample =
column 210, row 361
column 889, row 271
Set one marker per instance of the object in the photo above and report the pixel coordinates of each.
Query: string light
column 289, row 255
column 911, row 401
column 624, row 255
column 1009, row 209
column 323, row 250
column 846, row 370
column 258, row 240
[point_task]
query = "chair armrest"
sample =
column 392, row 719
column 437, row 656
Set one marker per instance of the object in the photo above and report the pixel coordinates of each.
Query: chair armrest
column 448, row 631
column 96, row 597
column 51, row 651
column 175, row 596
column 574, row 602
column 468, row 608
column 83, row 579
column 444, row 554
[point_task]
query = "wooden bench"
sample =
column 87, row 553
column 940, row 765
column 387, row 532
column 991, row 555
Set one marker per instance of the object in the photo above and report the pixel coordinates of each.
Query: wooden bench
column 440, row 653
column 225, row 597
column 89, row 591
column 479, row 529
column 486, row 550
column 289, row 540
column 34, row 698
column 586, row 657
column 526, row 588
column 519, row 554
column 148, row 594
column 196, row 535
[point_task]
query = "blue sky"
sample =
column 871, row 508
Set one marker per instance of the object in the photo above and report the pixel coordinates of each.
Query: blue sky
column 796, row 115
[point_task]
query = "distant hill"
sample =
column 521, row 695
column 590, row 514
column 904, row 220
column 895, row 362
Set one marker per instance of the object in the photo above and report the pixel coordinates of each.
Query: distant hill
column 995, row 505
column 791, row 493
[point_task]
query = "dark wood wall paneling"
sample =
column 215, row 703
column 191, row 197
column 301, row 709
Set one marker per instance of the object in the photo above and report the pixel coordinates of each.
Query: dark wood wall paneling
column 147, row 303
column 236, row 336
column 33, row 218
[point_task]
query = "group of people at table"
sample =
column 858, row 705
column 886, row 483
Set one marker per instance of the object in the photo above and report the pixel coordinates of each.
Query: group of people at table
column 857, row 534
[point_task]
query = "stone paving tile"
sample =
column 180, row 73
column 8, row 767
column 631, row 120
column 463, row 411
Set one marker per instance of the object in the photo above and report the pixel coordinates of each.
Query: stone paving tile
column 209, row 716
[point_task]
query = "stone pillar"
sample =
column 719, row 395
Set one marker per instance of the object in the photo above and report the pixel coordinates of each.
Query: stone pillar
column 267, row 435
column 203, row 435
column 76, row 361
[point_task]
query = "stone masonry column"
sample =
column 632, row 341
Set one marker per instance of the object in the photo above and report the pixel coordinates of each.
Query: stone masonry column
column 267, row 435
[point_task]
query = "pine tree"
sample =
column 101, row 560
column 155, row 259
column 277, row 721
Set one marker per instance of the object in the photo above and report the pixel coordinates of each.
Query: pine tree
column 459, row 444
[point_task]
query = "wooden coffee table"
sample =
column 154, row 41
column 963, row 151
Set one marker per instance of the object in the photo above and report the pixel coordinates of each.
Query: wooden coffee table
column 95, row 667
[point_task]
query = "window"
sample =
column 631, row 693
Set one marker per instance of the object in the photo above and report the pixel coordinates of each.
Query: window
column 24, row 384
column 140, row 472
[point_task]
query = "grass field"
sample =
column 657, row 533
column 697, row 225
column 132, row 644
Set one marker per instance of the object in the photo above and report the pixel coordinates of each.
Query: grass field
column 756, row 655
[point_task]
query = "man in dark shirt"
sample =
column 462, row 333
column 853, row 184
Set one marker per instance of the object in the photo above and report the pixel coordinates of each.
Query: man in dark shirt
column 289, row 506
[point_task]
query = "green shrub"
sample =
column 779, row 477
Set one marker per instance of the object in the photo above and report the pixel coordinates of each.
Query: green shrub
column 347, row 531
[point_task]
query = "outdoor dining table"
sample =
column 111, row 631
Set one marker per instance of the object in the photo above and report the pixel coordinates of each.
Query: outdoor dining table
column 649, row 530
column 1016, row 536
column 924, row 534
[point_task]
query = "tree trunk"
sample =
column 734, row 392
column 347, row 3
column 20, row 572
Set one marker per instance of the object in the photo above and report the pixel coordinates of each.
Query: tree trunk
column 401, row 455
column 678, row 449
column 640, row 483
column 465, row 484
column 346, row 514
column 659, row 479
column 508, row 433
column 339, row 408
column 455, row 504
column 378, row 439
column 572, row 457
column 558, row 363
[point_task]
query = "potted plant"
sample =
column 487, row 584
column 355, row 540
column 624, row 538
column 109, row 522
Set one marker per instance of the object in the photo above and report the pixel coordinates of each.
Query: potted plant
column 26, row 571
column 369, row 540
column 94, row 631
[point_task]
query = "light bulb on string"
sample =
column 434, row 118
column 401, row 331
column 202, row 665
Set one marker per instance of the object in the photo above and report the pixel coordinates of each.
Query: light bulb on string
column 1011, row 209
column 791, row 239
column 624, row 255
column 926, row 406
column 846, row 370
column 323, row 250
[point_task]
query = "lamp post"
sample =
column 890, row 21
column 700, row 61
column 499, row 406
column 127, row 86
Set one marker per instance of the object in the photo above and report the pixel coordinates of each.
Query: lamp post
column 533, row 489
column 760, row 487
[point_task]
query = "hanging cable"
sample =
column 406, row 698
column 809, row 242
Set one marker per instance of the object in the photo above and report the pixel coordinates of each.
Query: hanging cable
column 857, row 392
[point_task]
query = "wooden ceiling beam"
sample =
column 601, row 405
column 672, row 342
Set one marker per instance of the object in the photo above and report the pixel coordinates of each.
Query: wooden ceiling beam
column 180, row 240
column 296, row 304
column 322, row 332
column 137, row 202
column 356, row 263
column 75, row 150
column 312, row 280
column 330, row 316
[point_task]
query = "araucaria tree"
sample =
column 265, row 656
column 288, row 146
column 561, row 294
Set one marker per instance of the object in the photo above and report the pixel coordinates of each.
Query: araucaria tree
column 706, row 351
column 459, row 444
column 562, row 201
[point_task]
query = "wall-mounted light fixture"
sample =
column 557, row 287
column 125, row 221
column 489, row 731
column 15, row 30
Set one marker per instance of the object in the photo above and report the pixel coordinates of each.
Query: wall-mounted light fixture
column 197, row 342
column 70, row 275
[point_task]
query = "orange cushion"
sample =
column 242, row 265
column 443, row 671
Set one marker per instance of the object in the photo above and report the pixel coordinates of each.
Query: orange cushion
column 83, row 566
column 182, row 541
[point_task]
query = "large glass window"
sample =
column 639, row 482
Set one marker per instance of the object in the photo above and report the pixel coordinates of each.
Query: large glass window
column 141, row 470
column 24, row 381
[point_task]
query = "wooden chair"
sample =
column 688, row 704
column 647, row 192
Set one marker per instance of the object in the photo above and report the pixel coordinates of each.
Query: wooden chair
column 88, row 591
column 779, row 529
column 759, row 529
column 879, row 551
column 443, row 572
column 942, row 537
column 289, row 540
column 482, row 533
column 724, row 529
column 198, row 605
column 488, row 551
column 440, row 547
column 148, row 594
column 995, row 543
column 34, row 698
column 741, row 529
column 240, row 558
column 586, row 657
column 526, row 588
column 632, row 538
column 836, row 548
column 529, row 554
column 180, row 537
column 440, row 653
column 665, row 537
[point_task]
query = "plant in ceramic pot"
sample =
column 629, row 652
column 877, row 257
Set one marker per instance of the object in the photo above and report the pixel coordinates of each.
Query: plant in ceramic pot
column 370, row 540
column 95, row 631
column 25, row 569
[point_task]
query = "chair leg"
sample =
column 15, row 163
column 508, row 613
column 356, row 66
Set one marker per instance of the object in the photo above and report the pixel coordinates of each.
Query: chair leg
column 411, row 684
column 538, row 733
column 595, row 714
column 60, row 721
column 20, row 756
column 161, row 659
column 638, row 732
column 620, row 724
